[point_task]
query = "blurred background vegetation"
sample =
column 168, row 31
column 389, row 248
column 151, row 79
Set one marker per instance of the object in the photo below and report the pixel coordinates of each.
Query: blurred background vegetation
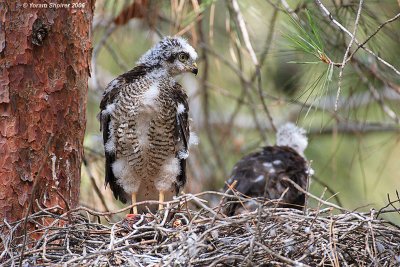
column 263, row 63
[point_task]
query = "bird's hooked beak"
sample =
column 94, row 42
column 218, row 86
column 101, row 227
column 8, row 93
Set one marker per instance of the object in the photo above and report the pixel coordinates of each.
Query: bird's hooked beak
column 194, row 68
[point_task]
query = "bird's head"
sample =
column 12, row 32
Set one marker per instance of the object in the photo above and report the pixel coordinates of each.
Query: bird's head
column 174, row 54
column 292, row 136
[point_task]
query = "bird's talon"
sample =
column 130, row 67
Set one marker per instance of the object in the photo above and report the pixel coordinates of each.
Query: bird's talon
column 132, row 217
column 149, row 217
column 177, row 223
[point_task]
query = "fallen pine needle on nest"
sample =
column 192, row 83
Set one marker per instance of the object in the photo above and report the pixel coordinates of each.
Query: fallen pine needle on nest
column 183, row 236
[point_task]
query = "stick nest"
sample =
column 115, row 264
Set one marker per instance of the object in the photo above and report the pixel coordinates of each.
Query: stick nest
column 188, row 232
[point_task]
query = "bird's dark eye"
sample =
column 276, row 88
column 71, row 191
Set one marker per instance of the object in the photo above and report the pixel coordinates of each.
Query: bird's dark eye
column 183, row 57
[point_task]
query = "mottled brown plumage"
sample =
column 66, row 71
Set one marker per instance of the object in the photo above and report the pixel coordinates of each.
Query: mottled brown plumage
column 144, row 119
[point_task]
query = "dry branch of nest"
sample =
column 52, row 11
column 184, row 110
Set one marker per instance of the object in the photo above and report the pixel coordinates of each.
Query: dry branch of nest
column 180, row 236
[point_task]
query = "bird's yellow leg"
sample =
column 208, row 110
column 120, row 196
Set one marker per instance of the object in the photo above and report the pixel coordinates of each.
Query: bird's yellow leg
column 161, row 200
column 134, row 202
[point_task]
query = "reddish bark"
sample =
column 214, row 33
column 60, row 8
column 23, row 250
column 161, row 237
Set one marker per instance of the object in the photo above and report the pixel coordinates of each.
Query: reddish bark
column 44, row 69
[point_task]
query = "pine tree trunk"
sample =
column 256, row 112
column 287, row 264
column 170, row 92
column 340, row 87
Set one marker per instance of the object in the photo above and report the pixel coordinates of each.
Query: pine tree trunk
column 44, row 70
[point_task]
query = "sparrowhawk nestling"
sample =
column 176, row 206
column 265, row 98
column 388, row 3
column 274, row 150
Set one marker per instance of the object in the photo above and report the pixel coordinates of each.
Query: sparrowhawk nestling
column 144, row 119
column 260, row 174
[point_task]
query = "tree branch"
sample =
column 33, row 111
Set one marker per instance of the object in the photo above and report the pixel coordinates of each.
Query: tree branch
column 347, row 51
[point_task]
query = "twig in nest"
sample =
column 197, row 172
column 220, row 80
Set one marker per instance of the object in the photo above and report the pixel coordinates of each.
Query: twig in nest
column 280, row 236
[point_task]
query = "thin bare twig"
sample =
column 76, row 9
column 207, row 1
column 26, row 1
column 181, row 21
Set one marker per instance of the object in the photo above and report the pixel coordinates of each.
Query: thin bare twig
column 347, row 51
column 342, row 28
column 373, row 34
column 244, row 32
